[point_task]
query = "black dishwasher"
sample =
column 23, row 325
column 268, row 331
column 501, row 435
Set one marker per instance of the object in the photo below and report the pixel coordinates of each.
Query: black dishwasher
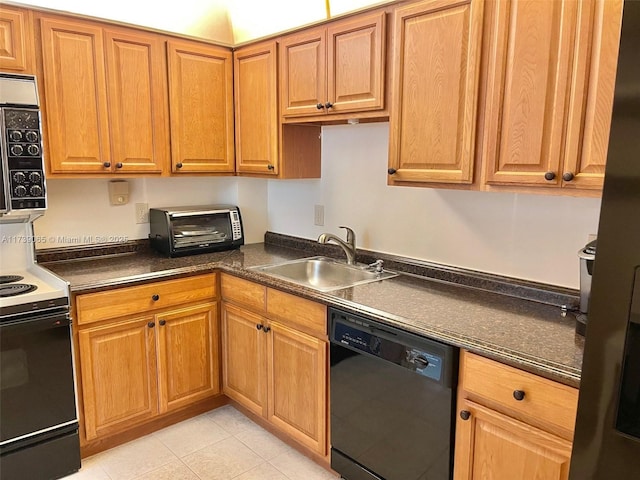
column 392, row 402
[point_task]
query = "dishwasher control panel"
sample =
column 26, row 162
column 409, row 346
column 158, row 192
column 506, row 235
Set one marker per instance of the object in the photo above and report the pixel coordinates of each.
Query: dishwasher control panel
column 382, row 343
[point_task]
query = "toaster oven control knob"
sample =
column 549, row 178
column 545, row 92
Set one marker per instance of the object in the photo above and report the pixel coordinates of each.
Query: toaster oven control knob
column 16, row 150
column 32, row 136
column 15, row 135
column 35, row 177
column 33, row 150
column 19, row 177
column 35, row 191
column 20, row 191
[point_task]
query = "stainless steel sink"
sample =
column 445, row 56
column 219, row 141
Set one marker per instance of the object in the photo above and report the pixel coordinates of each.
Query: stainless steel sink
column 323, row 273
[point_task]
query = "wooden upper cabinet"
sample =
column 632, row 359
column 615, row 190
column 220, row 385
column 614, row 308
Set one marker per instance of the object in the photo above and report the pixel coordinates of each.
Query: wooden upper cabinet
column 256, row 109
column 435, row 79
column 339, row 68
column 591, row 104
column 76, row 115
column 137, row 97
column 105, row 99
column 303, row 73
column 16, row 40
column 551, row 73
column 201, row 107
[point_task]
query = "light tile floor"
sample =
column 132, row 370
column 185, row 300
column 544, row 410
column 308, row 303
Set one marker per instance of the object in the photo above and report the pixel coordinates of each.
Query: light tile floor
column 221, row 444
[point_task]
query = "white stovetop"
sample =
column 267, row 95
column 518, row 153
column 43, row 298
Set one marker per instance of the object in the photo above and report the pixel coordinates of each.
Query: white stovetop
column 17, row 257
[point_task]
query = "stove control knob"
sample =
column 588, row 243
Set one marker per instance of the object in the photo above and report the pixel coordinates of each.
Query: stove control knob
column 16, row 150
column 19, row 177
column 33, row 150
column 35, row 177
column 15, row 135
column 32, row 136
column 35, row 191
column 20, row 191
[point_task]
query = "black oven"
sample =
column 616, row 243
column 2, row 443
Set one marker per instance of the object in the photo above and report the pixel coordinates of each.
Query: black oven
column 38, row 418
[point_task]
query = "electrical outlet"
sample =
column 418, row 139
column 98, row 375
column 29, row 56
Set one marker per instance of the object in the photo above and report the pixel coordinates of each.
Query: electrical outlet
column 142, row 213
column 318, row 215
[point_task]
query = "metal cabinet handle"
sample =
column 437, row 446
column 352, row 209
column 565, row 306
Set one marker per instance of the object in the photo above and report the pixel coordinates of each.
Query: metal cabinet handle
column 550, row 176
column 270, row 167
column 162, row 323
column 391, row 171
column 155, row 297
column 259, row 326
column 119, row 165
column 106, row 164
column 179, row 165
column 465, row 414
column 151, row 324
column 567, row 177
column 518, row 395
column 266, row 329
column 328, row 105
column 319, row 106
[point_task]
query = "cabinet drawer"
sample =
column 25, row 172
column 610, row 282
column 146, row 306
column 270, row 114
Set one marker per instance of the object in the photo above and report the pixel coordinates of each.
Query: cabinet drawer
column 544, row 400
column 297, row 311
column 244, row 292
column 94, row 307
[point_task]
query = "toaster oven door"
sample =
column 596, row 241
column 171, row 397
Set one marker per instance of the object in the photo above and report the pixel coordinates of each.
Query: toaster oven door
column 195, row 231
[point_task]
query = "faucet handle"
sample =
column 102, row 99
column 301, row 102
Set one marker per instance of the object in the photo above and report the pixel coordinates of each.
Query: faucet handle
column 377, row 266
column 351, row 236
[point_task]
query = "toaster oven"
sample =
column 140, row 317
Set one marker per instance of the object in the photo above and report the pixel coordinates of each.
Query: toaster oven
column 180, row 231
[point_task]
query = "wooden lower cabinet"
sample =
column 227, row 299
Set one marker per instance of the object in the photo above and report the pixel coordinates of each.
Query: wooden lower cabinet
column 272, row 367
column 298, row 385
column 119, row 383
column 145, row 362
column 511, row 424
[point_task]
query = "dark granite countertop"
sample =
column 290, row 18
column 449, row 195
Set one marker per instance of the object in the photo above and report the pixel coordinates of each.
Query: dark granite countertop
column 526, row 334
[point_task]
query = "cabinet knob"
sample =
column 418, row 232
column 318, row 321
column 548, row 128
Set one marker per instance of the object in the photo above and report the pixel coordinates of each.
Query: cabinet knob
column 319, row 106
column 567, row 177
column 179, row 165
column 518, row 395
column 162, row 323
column 266, row 329
column 106, row 164
column 259, row 326
column 549, row 176
column 155, row 297
column 328, row 105
column 465, row 414
column 391, row 171
column 151, row 324
column 270, row 167
column 119, row 165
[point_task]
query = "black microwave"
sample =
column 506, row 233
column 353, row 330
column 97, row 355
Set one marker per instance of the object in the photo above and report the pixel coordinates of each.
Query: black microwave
column 180, row 231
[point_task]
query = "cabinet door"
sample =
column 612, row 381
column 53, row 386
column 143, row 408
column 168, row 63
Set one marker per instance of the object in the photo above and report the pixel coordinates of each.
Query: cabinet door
column 244, row 369
column 493, row 446
column 303, row 75
column 593, row 82
column 188, row 362
column 527, row 85
column 200, row 107
column 118, row 368
column 435, row 85
column 355, row 64
column 256, row 101
column 138, row 111
column 16, row 41
column 75, row 97
column 298, row 385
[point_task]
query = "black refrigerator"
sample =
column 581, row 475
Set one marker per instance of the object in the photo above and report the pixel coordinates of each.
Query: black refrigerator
column 607, row 435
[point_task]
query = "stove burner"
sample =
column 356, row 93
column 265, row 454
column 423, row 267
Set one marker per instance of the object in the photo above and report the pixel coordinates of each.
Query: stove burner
column 10, row 278
column 16, row 289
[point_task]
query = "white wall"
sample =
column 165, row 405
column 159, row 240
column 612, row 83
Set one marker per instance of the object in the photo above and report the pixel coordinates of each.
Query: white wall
column 81, row 208
column 533, row 237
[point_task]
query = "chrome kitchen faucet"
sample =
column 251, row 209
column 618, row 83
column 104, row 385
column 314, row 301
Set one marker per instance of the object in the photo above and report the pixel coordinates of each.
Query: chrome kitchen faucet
column 349, row 246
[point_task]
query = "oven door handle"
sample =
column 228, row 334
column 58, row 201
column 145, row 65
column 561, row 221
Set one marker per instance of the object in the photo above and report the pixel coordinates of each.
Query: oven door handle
column 35, row 324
